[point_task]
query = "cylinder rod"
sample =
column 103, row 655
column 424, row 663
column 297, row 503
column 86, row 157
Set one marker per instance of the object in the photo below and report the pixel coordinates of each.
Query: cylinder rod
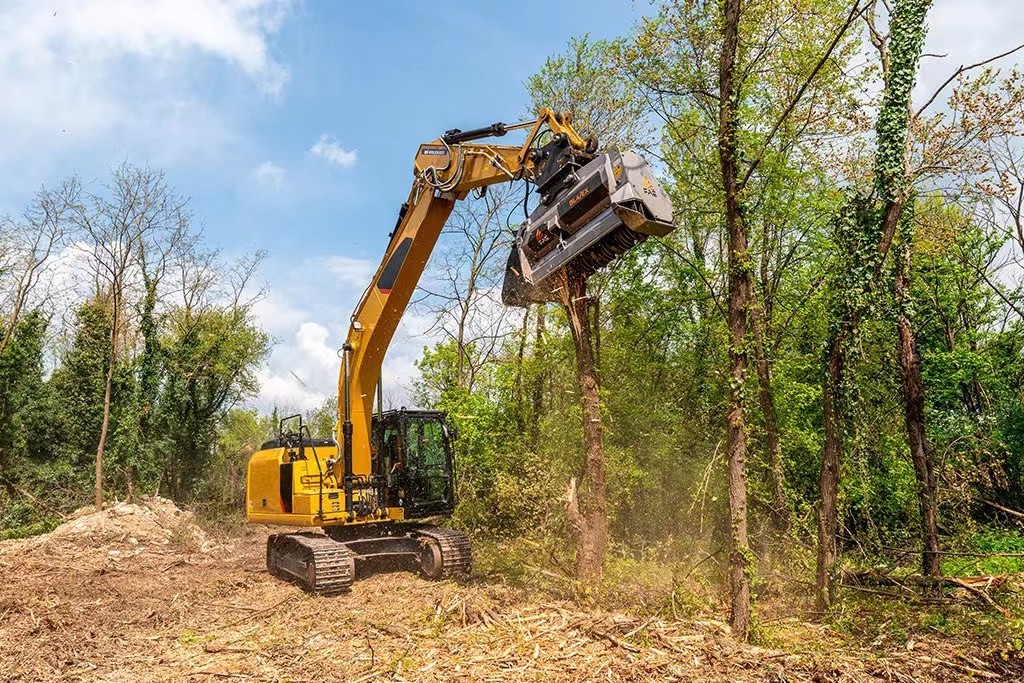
column 380, row 396
column 346, row 428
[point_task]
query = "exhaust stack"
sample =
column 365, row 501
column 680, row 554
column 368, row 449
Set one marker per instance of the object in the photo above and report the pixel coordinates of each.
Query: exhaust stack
column 593, row 208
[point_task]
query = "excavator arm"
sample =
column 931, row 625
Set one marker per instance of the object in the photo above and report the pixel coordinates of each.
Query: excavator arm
column 591, row 208
column 445, row 171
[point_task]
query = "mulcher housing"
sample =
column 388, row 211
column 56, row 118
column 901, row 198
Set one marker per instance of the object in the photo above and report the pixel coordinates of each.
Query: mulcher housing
column 592, row 209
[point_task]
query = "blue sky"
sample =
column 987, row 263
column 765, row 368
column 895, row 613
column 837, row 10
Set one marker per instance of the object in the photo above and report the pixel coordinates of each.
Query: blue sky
column 291, row 124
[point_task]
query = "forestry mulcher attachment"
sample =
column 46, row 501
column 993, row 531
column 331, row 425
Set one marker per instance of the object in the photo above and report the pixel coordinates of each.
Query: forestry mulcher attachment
column 592, row 208
column 376, row 484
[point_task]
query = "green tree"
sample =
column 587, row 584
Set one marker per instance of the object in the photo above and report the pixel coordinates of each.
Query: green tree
column 239, row 433
column 78, row 387
column 22, row 400
column 211, row 356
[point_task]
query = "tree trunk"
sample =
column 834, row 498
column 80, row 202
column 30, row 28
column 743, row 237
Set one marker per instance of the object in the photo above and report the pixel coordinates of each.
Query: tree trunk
column 739, row 301
column 595, row 308
column 108, row 384
column 832, row 412
column 590, row 522
column 831, row 453
column 103, row 435
column 517, row 389
column 773, row 444
column 460, row 352
column 537, row 398
column 913, row 404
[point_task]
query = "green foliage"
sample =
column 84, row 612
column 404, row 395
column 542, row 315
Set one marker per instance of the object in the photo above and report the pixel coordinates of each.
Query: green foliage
column 583, row 81
column 184, row 353
column 992, row 540
column 239, row 433
column 78, row 388
column 502, row 487
column 23, row 397
column 322, row 420
column 211, row 358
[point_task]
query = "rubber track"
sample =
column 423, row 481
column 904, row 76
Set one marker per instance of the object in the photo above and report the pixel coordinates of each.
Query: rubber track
column 456, row 552
column 333, row 564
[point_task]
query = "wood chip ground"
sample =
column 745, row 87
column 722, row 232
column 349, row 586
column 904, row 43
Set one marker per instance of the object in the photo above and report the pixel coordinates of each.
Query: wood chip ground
column 144, row 605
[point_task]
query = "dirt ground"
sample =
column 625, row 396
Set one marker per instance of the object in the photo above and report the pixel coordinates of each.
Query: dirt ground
column 141, row 593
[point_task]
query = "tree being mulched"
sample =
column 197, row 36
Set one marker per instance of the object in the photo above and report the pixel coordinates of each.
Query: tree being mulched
column 134, row 596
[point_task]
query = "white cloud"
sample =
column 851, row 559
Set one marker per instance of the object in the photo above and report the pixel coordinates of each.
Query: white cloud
column 285, row 393
column 965, row 32
column 311, row 340
column 270, row 175
column 76, row 73
column 280, row 314
column 309, row 318
column 327, row 147
column 355, row 272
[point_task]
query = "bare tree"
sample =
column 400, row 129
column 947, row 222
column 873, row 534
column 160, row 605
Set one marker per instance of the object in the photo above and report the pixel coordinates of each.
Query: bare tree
column 136, row 216
column 27, row 246
column 464, row 294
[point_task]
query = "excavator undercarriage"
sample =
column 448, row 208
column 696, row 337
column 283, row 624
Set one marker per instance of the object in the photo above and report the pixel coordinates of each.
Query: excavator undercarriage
column 327, row 564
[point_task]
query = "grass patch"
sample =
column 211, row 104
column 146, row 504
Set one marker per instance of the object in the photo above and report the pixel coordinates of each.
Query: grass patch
column 991, row 540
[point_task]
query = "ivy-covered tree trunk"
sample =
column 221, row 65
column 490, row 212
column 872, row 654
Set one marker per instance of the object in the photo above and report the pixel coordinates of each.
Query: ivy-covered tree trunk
column 902, row 56
column 149, row 381
column 589, row 516
column 739, row 300
column 107, row 389
column 893, row 184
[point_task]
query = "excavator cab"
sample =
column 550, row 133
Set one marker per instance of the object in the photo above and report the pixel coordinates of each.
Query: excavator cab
column 413, row 457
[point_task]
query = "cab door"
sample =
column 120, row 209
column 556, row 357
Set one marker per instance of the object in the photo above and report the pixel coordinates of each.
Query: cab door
column 429, row 467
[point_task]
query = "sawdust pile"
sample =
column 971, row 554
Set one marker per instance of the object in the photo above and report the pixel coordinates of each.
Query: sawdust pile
column 139, row 593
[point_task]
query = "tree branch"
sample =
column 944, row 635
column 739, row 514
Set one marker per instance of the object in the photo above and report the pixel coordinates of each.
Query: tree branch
column 962, row 70
column 855, row 12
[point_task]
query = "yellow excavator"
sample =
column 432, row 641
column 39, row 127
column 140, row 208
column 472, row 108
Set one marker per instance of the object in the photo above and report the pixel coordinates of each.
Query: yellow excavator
column 375, row 485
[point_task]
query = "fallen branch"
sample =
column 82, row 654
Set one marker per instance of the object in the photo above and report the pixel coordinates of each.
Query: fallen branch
column 976, row 585
column 983, row 595
column 961, row 667
column 1002, row 508
column 628, row 647
column 219, row 647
